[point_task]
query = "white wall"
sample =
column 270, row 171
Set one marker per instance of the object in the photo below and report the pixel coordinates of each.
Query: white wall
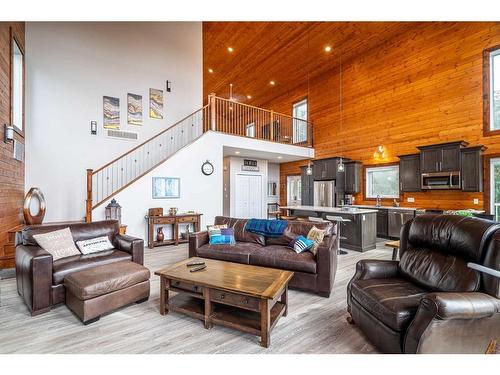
column 69, row 67
column 199, row 193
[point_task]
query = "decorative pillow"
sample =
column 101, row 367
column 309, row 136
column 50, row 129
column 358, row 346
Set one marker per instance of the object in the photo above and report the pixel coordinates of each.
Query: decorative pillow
column 301, row 244
column 58, row 243
column 214, row 230
column 317, row 236
column 94, row 245
column 226, row 237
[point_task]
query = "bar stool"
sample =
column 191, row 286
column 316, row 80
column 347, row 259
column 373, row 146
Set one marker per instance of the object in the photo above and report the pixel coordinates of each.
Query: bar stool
column 339, row 220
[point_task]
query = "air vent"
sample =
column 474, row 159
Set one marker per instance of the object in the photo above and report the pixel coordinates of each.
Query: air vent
column 18, row 151
column 122, row 134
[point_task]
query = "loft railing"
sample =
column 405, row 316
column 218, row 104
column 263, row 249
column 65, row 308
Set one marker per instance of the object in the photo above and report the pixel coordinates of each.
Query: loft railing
column 245, row 120
column 218, row 115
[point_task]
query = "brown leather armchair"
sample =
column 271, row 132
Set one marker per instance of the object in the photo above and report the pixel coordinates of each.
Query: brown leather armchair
column 431, row 301
column 40, row 279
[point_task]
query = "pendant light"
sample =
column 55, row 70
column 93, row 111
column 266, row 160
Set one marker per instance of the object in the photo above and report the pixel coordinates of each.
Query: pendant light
column 340, row 165
column 309, row 170
column 231, row 96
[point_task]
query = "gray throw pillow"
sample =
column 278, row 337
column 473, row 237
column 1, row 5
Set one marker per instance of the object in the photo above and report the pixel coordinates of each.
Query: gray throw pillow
column 58, row 243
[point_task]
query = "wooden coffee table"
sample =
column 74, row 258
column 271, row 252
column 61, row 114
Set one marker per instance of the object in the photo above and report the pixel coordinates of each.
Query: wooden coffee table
column 248, row 298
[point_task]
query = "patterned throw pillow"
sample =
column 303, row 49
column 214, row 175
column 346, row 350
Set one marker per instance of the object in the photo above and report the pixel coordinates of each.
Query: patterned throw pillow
column 301, row 244
column 215, row 230
column 94, row 245
column 317, row 236
column 226, row 237
column 58, row 243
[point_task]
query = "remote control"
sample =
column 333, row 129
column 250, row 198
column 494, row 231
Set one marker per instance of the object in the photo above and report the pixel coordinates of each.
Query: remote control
column 196, row 263
column 198, row 268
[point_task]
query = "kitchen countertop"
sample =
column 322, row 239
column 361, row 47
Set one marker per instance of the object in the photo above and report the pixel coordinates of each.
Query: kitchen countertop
column 382, row 207
column 354, row 210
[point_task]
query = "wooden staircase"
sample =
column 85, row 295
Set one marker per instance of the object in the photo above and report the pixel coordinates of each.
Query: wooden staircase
column 219, row 114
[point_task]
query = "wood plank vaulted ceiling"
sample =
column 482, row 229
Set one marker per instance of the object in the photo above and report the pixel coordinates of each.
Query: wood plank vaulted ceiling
column 288, row 53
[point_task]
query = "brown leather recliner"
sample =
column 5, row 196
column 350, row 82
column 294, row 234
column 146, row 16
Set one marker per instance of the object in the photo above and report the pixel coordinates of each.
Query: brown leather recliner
column 431, row 301
column 40, row 279
column 311, row 273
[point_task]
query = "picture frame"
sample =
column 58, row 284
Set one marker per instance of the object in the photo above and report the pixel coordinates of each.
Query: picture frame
column 166, row 187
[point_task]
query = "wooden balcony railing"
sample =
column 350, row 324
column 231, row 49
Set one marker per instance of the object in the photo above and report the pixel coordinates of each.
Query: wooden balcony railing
column 245, row 120
column 220, row 115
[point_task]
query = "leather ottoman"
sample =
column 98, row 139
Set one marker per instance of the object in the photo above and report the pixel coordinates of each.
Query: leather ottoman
column 99, row 290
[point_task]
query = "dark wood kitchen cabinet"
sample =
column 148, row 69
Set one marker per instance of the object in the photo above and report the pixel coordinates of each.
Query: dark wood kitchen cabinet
column 325, row 169
column 307, row 192
column 409, row 173
column 352, row 177
column 472, row 168
column 444, row 157
column 382, row 223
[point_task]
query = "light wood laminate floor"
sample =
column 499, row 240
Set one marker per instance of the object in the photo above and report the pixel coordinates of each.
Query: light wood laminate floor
column 314, row 324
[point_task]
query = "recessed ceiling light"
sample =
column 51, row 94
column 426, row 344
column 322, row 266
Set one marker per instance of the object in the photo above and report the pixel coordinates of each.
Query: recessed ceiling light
column 280, row 157
column 249, row 96
column 328, row 49
column 230, row 49
column 210, row 70
column 272, row 83
column 236, row 152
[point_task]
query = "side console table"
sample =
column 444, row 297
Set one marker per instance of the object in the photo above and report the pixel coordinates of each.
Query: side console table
column 174, row 221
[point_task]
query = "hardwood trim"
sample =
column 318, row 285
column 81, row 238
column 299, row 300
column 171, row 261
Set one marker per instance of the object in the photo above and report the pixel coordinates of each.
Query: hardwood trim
column 486, row 181
column 363, row 181
column 486, row 92
column 14, row 38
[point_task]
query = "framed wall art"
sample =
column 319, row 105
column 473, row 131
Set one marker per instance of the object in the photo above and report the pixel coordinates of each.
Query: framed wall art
column 156, row 103
column 111, row 110
column 134, row 109
column 166, row 187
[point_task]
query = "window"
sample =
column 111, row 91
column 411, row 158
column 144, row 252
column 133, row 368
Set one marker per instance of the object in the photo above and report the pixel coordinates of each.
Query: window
column 495, row 188
column 17, row 76
column 294, row 189
column 382, row 182
column 492, row 89
column 300, row 121
column 250, row 130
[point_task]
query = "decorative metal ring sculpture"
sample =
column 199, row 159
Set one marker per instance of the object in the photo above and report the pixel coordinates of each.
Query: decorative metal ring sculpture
column 34, row 193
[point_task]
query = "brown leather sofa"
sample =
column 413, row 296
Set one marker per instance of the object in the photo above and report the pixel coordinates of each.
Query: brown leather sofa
column 311, row 273
column 40, row 279
column 431, row 301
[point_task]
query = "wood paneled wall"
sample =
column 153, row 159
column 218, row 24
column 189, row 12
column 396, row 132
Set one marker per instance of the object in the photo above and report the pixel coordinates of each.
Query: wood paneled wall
column 421, row 87
column 11, row 170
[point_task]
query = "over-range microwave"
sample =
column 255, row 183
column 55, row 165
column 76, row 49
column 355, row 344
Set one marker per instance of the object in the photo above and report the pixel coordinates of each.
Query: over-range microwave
column 440, row 180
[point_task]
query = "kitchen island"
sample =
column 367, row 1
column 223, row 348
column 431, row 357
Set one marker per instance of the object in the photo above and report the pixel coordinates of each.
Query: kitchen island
column 358, row 231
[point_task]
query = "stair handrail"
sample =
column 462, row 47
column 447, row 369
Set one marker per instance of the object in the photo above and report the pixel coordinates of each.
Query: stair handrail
column 90, row 206
column 148, row 140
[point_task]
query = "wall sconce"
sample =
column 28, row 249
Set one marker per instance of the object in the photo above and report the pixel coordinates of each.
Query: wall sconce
column 379, row 153
column 309, row 170
column 93, row 127
column 8, row 134
column 169, row 86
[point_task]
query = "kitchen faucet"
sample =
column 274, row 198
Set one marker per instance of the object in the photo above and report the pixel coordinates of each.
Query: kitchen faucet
column 377, row 203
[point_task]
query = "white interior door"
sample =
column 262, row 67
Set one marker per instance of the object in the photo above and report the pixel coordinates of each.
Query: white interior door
column 248, row 196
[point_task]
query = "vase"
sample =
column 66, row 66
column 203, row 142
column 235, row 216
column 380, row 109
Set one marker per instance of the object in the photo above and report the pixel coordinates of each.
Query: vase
column 159, row 235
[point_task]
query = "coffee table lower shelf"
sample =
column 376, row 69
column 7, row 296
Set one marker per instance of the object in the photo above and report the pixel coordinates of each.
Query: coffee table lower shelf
column 228, row 316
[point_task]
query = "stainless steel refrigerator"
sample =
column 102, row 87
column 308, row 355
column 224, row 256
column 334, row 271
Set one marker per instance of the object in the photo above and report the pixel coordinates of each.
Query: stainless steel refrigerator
column 324, row 193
